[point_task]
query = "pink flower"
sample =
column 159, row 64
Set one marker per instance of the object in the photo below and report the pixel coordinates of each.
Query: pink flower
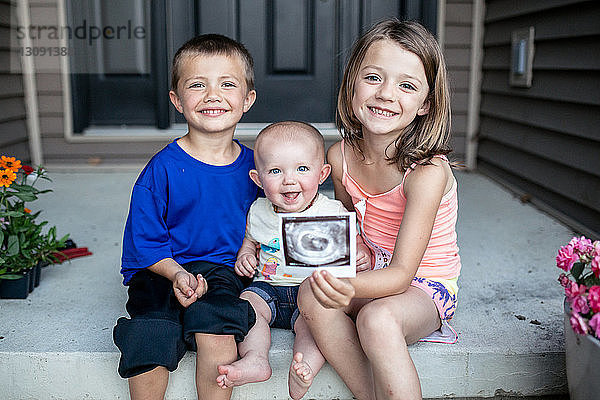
column 582, row 245
column 595, row 325
column 574, row 289
column 579, row 324
column 579, row 305
column 594, row 298
column 564, row 280
column 596, row 248
column 566, row 258
column 595, row 263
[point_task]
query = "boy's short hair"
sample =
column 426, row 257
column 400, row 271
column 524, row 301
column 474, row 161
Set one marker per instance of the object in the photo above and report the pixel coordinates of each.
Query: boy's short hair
column 212, row 44
column 289, row 129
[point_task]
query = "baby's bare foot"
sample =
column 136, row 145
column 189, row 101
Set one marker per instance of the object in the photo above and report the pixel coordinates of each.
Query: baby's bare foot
column 249, row 369
column 300, row 377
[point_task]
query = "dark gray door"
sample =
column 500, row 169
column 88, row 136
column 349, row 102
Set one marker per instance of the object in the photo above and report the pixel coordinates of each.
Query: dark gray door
column 119, row 63
column 293, row 43
column 299, row 48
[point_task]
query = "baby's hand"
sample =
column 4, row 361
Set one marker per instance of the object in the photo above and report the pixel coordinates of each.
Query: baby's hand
column 363, row 257
column 188, row 288
column 245, row 265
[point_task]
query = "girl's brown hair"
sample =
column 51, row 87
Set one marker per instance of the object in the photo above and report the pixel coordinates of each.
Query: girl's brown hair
column 427, row 135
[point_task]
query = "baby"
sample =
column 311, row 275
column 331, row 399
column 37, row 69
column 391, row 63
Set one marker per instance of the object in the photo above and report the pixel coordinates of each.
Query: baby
column 290, row 166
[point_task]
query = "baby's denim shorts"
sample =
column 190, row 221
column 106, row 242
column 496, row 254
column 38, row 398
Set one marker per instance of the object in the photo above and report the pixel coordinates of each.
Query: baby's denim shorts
column 282, row 300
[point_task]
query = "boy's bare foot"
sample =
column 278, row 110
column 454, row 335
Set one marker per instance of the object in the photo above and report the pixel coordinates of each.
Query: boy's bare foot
column 249, row 369
column 300, row 377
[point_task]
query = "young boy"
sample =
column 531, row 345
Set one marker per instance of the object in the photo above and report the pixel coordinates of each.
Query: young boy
column 290, row 166
column 186, row 223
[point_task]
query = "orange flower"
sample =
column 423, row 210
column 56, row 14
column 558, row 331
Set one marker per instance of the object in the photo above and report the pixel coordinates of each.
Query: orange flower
column 7, row 176
column 27, row 210
column 10, row 163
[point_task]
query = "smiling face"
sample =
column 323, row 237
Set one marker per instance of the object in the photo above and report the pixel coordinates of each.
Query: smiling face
column 212, row 93
column 390, row 89
column 289, row 169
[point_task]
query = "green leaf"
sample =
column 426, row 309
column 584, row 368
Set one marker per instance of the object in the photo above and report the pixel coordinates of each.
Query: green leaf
column 22, row 188
column 12, row 246
column 11, row 214
column 23, row 196
column 591, row 280
column 577, row 270
column 62, row 240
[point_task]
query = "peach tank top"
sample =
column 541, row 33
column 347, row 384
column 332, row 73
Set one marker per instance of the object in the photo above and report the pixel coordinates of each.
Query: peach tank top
column 380, row 216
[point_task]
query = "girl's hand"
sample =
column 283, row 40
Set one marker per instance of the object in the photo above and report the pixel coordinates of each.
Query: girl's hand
column 363, row 257
column 245, row 265
column 330, row 291
column 187, row 289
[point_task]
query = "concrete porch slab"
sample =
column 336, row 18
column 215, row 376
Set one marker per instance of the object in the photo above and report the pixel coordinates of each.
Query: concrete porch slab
column 58, row 342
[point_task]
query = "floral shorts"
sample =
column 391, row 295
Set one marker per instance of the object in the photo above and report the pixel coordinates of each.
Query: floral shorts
column 443, row 293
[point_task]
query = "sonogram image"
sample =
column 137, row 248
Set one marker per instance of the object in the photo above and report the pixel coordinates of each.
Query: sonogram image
column 316, row 241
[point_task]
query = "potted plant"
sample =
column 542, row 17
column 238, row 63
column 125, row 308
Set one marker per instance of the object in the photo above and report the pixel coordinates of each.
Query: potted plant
column 25, row 244
column 580, row 261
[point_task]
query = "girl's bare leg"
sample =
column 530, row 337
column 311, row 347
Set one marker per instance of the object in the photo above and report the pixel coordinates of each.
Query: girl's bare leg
column 213, row 350
column 253, row 365
column 150, row 385
column 386, row 327
column 307, row 361
column 335, row 334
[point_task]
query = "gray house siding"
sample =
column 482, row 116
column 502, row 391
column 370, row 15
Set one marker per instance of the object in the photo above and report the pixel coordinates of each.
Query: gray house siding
column 55, row 148
column 59, row 150
column 457, row 50
column 544, row 141
column 13, row 126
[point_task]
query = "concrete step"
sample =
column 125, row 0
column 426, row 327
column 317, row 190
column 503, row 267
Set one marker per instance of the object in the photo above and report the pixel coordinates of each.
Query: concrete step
column 57, row 344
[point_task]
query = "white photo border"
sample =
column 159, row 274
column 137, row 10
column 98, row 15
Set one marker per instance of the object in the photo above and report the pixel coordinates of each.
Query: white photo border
column 346, row 270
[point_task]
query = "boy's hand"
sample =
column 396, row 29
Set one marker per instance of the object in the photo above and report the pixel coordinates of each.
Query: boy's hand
column 202, row 286
column 188, row 288
column 363, row 257
column 245, row 265
column 330, row 291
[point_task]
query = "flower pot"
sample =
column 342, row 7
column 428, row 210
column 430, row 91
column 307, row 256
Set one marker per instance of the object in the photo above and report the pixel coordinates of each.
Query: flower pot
column 582, row 354
column 31, row 275
column 37, row 272
column 15, row 288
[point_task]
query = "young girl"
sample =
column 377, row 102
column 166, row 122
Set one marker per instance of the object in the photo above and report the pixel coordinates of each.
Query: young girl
column 391, row 168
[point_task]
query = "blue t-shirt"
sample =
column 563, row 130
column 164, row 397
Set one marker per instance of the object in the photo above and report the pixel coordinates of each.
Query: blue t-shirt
column 184, row 209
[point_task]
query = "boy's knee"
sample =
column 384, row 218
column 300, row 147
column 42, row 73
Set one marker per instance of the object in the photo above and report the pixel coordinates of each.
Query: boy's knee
column 211, row 342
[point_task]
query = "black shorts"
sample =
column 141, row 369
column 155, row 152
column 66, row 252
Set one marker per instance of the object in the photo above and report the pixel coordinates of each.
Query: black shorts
column 160, row 330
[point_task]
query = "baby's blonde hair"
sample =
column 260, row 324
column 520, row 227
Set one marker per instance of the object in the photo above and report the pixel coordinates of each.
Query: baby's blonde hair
column 290, row 130
column 427, row 135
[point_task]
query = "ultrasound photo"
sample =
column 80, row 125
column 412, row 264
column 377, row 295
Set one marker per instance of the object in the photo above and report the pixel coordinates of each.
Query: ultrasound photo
column 326, row 242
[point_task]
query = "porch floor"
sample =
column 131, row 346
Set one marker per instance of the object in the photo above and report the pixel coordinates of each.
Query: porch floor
column 58, row 342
